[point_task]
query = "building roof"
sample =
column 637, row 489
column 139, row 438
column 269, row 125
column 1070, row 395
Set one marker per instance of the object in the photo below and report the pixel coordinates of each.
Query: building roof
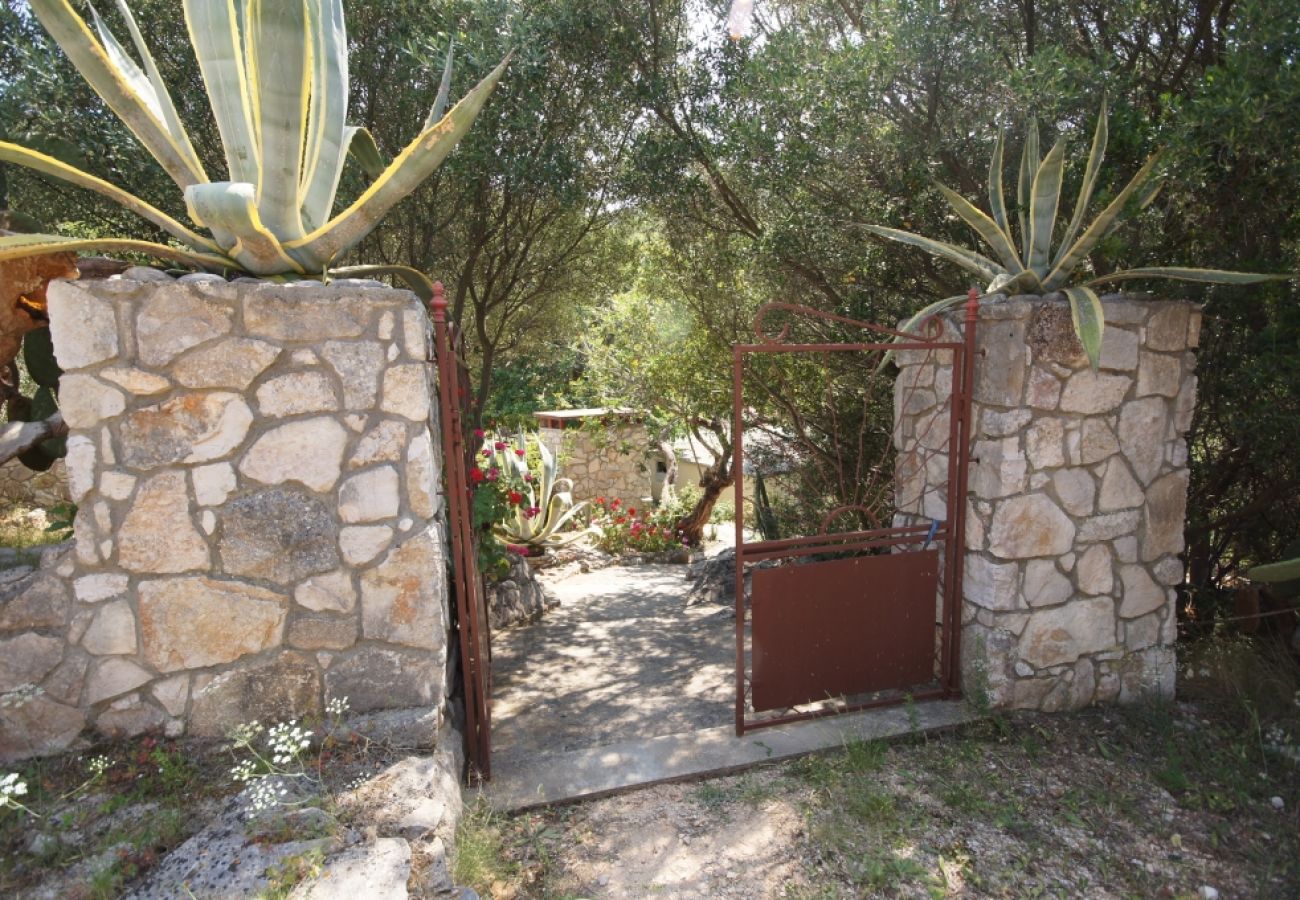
column 590, row 413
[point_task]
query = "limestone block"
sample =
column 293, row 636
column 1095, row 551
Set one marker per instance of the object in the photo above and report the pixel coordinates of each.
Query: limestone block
column 1142, row 633
column 1185, row 405
column 40, row 601
column 112, row 631
column 1095, row 572
column 422, row 476
column 39, row 726
column 157, row 534
column 406, row 392
column 1164, row 516
column 99, row 586
column 112, row 677
column 136, row 382
column 172, row 319
column 213, row 483
column 383, row 443
column 296, row 393
column 1142, row 434
column 86, row 401
column 1044, row 443
column 991, row 585
column 1119, row 489
column 303, row 315
column 189, row 623
column 999, row 468
column 173, row 693
column 322, row 632
column 1108, row 526
column 331, row 592
column 370, row 496
column 1090, row 393
column 402, row 597
column 288, row 686
column 27, row 658
column 116, row 485
column 1169, row 571
column 1159, row 373
column 80, row 464
column 1044, row 584
column 309, row 451
column 379, row 678
column 416, row 334
column 1044, row 391
column 1119, row 349
column 1125, row 549
column 130, row 720
column 229, row 363
column 1076, row 490
column 83, row 327
column 1167, row 327
column 279, row 535
column 1091, row 443
column 359, row 544
column 1028, row 526
column 359, row 365
column 1141, row 593
column 191, row 428
column 1062, row 634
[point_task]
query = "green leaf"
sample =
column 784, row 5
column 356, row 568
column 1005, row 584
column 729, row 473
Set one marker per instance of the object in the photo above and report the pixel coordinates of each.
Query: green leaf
column 1272, row 573
column 1180, row 273
column 444, row 89
column 45, row 403
column 214, row 27
column 997, row 198
column 910, row 326
column 985, row 227
column 362, row 146
column 38, row 355
column 1046, row 198
column 278, row 55
column 416, row 280
column 327, row 135
column 967, row 259
column 17, row 246
column 1091, row 171
column 1025, row 184
column 1089, row 322
column 228, row 207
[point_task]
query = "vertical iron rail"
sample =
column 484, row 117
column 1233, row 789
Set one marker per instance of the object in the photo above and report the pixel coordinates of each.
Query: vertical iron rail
column 738, row 471
column 477, row 737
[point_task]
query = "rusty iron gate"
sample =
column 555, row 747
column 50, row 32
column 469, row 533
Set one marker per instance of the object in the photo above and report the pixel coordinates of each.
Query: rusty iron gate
column 467, row 581
column 855, row 579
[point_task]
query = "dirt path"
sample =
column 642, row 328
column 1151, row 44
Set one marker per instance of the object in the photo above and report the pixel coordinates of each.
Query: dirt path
column 622, row 657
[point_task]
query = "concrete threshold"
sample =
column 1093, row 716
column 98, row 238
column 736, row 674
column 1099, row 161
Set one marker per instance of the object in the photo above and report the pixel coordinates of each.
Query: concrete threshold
column 601, row 771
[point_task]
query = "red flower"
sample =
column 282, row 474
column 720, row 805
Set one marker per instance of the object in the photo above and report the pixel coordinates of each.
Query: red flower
column 499, row 445
column 487, row 453
column 600, row 501
column 476, row 475
column 631, row 510
column 620, row 520
column 478, row 432
column 616, row 503
column 519, row 452
column 516, row 498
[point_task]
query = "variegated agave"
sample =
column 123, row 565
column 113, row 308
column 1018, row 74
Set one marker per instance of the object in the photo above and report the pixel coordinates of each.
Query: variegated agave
column 276, row 73
column 550, row 497
column 1031, row 266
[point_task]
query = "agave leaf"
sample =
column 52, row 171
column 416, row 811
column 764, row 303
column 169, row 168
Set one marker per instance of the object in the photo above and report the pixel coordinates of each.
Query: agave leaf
column 91, row 60
column 909, row 326
column 549, row 471
column 231, row 207
column 1181, row 273
column 967, row 259
column 48, row 165
column 279, row 56
column 985, row 227
column 215, row 33
column 420, row 158
column 1042, row 217
column 1025, row 184
column 362, row 146
column 1101, row 226
column 17, row 246
column 444, row 90
column 997, row 198
column 1095, row 156
column 1275, row 572
column 416, row 280
column 327, row 136
column 1089, row 320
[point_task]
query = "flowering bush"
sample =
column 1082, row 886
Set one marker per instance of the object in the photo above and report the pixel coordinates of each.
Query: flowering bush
column 623, row 529
column 275, row 758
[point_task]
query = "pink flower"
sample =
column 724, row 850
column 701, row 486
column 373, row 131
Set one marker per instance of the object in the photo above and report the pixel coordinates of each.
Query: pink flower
column 478, row 432
column 493, row 473
column 528, row 476
column 519, row 452
column 500, row 445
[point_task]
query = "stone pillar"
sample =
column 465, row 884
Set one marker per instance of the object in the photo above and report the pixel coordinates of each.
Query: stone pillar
column 259, row 527
column 1078, row 492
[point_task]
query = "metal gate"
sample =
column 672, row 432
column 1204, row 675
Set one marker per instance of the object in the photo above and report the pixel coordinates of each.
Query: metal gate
column 855, row 579
column 467, row 582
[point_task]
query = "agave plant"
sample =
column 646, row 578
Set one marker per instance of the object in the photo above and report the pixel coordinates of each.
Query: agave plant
column 1030, row 265
column 276, row 74
column 547, row 504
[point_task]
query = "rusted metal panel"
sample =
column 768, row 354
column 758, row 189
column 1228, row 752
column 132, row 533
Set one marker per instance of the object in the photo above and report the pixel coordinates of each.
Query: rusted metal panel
column 843, row 627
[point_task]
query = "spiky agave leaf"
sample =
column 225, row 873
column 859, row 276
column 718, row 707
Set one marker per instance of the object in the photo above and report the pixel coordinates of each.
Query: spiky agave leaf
column 1089, row 320
column 16, row 246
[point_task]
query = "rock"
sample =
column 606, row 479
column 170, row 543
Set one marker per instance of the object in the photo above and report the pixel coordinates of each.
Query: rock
column 1043, row 444
column 1142, row 633
column 157, row 535
column 417, row 796
column 1092, row 443
column 1000, row 424
column 308, row 451
column 991, row 585
column 406, row 392
column 1076, row 490
column 518, row 597
column 230, row 363
column 1090, row 393
column 383, row 443
column 280, row 535
column 297, row 393
column 1044, row 391
column 378, row 678
column 370, row 496
column 27, row 658
column 377, row 871
column 422, row 472
column 1029, row 526
column 999, row 470
column 409, row 729
column 189, row 623
column 112, row 677
column 1095, row 571
column 190, row 428
column 86, row 401
column 172, row 693
column 1169, row 571
column 1119, row 349
column 213, row 484
column 80, row 463
column 359, row 544
column 38, row 727
column 39, row 600
column 137, row 718
column 1142, row 426
column 322, row 632
column 1167, row 327
column 307, row 314
column 1277, row 803
column 83, row 327
column 1044, row 584
column 112, row 631
column 1164, row 516
column 402, row 598
column 1206, row 892
column 66, row 682
column 358, row 365
column 1108, row 526
column 1000, row 375
column 172, row 319
column 137, row 382
column 288, row 686
column 332, row 592
column 100, row 586
column 116, row 485
column 1160, row 374
column 1064, row 633
column 1119, row 489
column 1141, row 593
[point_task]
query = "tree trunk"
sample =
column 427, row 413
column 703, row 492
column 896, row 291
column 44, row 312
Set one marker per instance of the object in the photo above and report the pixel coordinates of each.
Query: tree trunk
column 669, row 489
column 716, row 480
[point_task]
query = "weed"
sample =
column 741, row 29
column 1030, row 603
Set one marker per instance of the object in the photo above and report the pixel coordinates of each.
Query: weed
column 480, row 860
column 291, row 872
column 864, row 756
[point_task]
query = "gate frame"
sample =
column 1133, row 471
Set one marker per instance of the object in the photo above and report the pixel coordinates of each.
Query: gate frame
column 471, row 594
column 951, row 532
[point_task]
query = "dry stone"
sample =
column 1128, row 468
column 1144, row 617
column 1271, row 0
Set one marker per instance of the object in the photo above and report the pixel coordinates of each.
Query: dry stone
column 173, row 693
column 1076, row 490
column 1119, row 489
column 1092, row 443
column 279, row 535
column 991, row 585
column 102, row 586
column 191, row 428
column 27, row 658
column 359, row 366
column 360, row 544
column 189, row 623
column 229, row 363
column 406, row 392
column 213, row 484
column 172, row 319
column 1095, row 571
column 1044, row 443
column 38, row 727
column 81, row 465
column 1044, row 584
column 112, row 677
column 308, row 451
column 377, row 678
column 1044, row 391
column 1141, row 593
column 422, row 476
column 1167, row 328
column 1029, row 526
column 112, row 631
column 137, row 382
column 1092, row 393
column 161, row 506
column 85, row 401
column 322, row 632
column 83, row 327
column 1160, row 374
column 39, row 601
column 332, row 592
column 383, row 443
column 402, row 598
column 1163, row 516
column 370, row 496
column 299, row 316
column 1064, row 633
column 297, row 393
column 1142, row 434
column 285, row 687
column 1119, row 349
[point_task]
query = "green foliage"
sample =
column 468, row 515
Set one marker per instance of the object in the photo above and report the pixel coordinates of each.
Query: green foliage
column 538, row 503
column 624, row 529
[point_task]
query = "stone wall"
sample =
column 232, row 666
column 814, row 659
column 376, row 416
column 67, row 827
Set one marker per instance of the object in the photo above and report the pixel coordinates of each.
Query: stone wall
column 619, row 462
column 259, row 525
column 20, row 486
column 1078, row 492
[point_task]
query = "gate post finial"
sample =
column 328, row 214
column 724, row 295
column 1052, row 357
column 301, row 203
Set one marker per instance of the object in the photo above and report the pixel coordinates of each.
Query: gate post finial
column 972, row 303
column 439, row 303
